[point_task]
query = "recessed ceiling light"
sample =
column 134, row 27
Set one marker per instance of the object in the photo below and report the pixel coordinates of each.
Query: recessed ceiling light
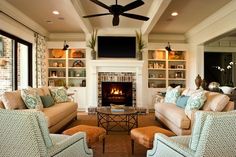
column 49, row 22
column 55, row 12
column 174, row 14
column 61, row 18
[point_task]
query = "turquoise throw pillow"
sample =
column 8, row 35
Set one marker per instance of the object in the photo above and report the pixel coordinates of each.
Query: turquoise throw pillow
column 195, row 102
column 172, row 94
column 182, row 101
column 47, row 100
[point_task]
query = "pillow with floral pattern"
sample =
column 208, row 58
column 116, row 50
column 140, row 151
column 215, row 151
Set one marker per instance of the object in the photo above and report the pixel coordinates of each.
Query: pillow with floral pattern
column 195, row 101
column 31, row 99
column 59, row 94
column 172, row 94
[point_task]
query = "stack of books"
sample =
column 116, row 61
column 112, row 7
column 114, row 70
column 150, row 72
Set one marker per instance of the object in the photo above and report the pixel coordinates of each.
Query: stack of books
column 117, row 108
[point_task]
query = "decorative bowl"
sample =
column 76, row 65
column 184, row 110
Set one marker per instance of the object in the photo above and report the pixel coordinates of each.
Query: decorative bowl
column 227, row 89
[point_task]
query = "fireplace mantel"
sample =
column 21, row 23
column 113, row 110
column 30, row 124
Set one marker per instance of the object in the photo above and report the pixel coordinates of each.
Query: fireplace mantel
column 121, row 65
column 116, row 65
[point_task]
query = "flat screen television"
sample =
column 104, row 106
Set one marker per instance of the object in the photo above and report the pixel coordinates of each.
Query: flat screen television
column 116, row 47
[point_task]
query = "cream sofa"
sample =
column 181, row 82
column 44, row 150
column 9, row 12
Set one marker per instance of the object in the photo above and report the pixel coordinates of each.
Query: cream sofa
column 57, row 115
column 176, row 119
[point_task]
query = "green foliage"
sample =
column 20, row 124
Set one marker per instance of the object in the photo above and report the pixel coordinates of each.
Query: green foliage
column 93, row 40
column 140, row 43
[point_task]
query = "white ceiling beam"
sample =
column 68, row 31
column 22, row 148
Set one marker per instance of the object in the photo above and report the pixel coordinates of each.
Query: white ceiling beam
column 84, row 23
column 219, row 23
column 21, row 18
column 156, row 10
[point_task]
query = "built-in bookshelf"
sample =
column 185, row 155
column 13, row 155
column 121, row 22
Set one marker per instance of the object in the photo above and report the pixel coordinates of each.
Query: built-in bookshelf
column 67, row 68
column 166, row 68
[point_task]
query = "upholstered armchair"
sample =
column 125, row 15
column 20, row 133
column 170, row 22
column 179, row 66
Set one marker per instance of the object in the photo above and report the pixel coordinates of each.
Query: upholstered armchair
column 214, row 134
column 25, row 133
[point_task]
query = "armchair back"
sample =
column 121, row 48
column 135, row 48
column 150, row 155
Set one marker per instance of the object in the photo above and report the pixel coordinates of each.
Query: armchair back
column 23, row 134
column 217, row 134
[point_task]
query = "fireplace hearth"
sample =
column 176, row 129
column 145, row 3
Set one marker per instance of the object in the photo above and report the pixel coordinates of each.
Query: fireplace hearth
column 119, row 93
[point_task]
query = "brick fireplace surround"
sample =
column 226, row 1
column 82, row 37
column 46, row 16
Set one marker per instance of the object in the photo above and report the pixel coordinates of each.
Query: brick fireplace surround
column 115, row 70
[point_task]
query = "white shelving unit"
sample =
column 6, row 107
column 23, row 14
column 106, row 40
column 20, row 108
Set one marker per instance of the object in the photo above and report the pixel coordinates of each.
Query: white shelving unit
column 166, row 68
column 67, row 68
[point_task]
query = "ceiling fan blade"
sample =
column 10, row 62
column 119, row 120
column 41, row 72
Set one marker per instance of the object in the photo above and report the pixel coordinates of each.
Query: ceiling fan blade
column 132, row 5
column 115, row 20
column 100, row 4
column 94, row 15
column 134, row 16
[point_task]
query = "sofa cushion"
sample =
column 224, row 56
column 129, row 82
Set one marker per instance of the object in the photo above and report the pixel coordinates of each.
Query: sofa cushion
column 46, row 90
column 13, row 100
column 174, row 114
column 31, row 98
column 59, row 111
column 1, row 104
column 215, row 101
column 182, row 101
column 39, row 91
column 172, row 94
column 59, row 94
column 195, row 102
column 188, row 91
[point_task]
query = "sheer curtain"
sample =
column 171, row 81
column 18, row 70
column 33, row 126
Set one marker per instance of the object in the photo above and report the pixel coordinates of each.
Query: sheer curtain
column 40, row 61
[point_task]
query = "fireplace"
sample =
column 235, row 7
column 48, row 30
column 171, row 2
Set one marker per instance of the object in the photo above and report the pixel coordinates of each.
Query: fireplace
column 119, row 93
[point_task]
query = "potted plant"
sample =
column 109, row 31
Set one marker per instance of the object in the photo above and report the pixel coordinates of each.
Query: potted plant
column 92, row 43
column 140, row 45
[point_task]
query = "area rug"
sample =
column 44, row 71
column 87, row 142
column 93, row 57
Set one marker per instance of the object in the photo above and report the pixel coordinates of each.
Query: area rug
column 118, row 144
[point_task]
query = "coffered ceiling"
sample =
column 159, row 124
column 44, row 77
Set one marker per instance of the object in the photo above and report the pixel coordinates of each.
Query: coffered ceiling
column 70, row 20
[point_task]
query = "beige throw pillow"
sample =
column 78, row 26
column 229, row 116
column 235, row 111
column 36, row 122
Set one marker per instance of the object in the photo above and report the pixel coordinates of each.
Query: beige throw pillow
column 13, row 100
column 1, row 104
column 46, row 90
column 215, row 102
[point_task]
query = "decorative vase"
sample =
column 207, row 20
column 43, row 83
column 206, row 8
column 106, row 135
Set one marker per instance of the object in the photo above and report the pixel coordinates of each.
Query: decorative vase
column 93, row 54
column 204, row 84
column 198, row 81
column 140, row 55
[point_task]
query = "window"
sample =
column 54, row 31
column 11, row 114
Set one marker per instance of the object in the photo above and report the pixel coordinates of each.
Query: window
column 17, row 74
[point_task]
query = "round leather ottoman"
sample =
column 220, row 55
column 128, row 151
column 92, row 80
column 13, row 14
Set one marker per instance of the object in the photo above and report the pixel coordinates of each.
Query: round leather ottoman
column 145, row 135
column 93, row 133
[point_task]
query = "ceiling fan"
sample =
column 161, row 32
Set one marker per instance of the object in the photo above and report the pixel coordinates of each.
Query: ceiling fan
column 116, row 10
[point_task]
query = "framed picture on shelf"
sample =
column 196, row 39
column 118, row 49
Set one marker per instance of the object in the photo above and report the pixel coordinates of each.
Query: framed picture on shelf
column 179, row 74
column 53, row 74
column 51, row 83
column 180, row 66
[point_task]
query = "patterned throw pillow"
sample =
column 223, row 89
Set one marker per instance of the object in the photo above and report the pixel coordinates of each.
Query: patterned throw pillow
column 31, row 99
column 172, row 94
column 195, row 102
column 13, row 100
column 59, row 94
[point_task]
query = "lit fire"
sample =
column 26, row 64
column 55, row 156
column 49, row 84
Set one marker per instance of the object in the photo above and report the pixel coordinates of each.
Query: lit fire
column 116, row 91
